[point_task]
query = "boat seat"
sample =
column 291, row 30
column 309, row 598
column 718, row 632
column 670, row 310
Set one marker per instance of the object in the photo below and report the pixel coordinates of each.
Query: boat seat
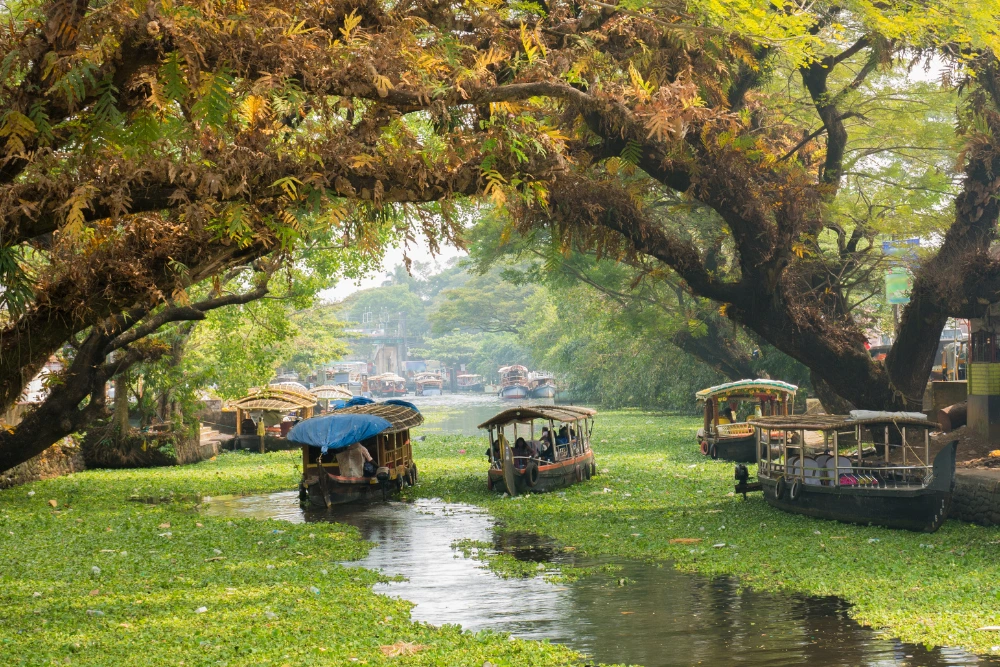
column 812, row 471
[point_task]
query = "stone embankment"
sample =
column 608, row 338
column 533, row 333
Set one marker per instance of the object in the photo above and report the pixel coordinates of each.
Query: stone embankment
column 977, row 497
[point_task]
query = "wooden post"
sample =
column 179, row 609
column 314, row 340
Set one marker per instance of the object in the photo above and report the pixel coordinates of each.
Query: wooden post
column 239, row 421
column 887, row 442
column 836, row 459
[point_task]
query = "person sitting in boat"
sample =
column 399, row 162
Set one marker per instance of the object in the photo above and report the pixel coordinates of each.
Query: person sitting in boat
column 563, row 437
column 726, row 415
column 546, row 449
column 522, row 452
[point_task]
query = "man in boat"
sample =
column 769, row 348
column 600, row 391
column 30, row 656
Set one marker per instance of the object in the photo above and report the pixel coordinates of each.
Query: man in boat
column 546, row 449
column 522, row 452
column 727, row 414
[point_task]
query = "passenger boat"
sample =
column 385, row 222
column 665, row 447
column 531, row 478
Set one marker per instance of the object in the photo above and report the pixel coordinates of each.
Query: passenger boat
column 334, row 469
column 541, row 384
column 866, row 467
column 428, row 384
column 468, row 382
column 387, row 384
column 732, row 437
column 514, row 382
column 522, row 461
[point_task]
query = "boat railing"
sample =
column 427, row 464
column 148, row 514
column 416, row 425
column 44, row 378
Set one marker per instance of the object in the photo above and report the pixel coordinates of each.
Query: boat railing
column 847, row 473
column 739, row 429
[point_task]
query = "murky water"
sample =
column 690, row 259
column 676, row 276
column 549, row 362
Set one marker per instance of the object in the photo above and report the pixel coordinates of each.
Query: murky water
column 644, row 614
column 461, row 414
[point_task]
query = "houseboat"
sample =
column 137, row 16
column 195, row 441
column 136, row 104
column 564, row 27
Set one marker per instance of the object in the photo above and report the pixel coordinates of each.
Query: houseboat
column 356, row 453
column 730, row 409
column 539, row 448
column 514, row 382
column 428, row 384
column 387, row 384
column 541, row 384
column 468, row 382
column 866, row 468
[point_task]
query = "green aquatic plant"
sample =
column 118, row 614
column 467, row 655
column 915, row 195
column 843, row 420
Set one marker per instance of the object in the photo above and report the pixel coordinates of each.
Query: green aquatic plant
column 92, row 575
column 657, row 498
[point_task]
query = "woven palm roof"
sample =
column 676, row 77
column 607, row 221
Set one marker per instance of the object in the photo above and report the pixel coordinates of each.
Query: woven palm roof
column 387, row 377
column 400, row 416
column 332, row 392
column 836, row 422
column 525, row 413
column 746, row 388
column 289, row 386
column 275, row 399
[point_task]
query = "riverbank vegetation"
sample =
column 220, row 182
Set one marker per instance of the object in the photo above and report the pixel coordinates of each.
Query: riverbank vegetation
column 88, row 577
column 657, row 498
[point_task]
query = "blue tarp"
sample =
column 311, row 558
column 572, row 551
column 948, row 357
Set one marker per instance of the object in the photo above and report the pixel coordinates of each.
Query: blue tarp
column 338, row 404
column 405, row 404
column 358, row 400
column 337, row 431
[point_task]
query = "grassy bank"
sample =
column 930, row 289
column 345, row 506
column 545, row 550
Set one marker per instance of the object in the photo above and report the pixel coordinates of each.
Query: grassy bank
column 932, row 589
column 101, row 580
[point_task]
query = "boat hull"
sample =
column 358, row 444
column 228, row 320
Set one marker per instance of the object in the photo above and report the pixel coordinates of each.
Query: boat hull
column 544, row 391
column 922, row 510
column 342, row 490
column 514, row 391
column 550, row 477
column 737, row 450
column 428, row 391
column 471, row 388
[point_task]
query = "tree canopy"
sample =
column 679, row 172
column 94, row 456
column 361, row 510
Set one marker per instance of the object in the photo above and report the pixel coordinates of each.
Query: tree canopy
column 148, row 149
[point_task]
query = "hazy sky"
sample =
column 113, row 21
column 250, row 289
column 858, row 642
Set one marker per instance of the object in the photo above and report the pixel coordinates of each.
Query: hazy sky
column 417, row 253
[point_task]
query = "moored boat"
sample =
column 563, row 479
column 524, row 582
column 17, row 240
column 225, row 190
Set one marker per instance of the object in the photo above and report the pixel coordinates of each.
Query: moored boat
column 541, row 384
column 539, row 448
column 867, row 468
column 471, row 383
column 514, row 382
column 357, row 453
column 730, row 409
column 387, row 384
column 428, row 384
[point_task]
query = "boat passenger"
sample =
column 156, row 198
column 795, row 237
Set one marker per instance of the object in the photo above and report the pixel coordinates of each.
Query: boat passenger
column 563, row 437
column 522, row 452
column 546, row 450
column 726, row 413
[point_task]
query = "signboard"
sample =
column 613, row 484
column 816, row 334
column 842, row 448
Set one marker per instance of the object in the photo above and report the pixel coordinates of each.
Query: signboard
column 898, row 278
column 898, row 283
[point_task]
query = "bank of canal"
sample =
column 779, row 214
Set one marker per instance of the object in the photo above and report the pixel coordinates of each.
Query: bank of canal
column 636, row 614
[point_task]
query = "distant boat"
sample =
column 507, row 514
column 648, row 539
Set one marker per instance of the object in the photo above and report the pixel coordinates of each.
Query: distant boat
column 471, row 383
column 514, row 382
column 428, row 384
column 387, row 384
column 541, row 384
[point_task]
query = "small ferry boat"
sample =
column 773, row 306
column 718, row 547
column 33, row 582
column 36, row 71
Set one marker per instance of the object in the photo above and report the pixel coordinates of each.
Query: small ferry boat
column 866, row 467
column 356, row 453
column 387, row 384
column 514, row 382
column 730, row 410
column 471, row 383
column 539, row 448
column 428, row 384
column 541, row 384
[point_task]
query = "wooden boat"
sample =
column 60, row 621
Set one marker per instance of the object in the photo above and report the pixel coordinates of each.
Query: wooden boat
column 468, row 382
column 731, row 439
column 274, row 401
column 540, row 467
column 428, row 384
column 541, row 385
column 514, row 382
column 387, row 384
column 333, row 469
column 867, row 468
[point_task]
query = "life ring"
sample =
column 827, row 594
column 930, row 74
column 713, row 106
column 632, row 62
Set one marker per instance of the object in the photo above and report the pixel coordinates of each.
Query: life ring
column 586, row 472
column 413, row 474
column 779, row 488
column 531, row 473
column 713, row 452
column 704, row 448
column 489, row 483
column 795, row 490
column 303, row 492
column 593, row 470
column 579, row 473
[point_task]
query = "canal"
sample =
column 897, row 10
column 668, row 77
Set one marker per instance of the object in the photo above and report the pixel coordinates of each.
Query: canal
column 642, row 614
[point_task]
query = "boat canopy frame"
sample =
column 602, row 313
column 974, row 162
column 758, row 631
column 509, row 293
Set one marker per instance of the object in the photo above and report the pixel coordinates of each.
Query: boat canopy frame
column 838, row 432
column 747, row 389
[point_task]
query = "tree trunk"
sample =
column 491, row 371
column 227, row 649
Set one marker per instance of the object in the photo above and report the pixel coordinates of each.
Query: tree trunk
column 120, row 417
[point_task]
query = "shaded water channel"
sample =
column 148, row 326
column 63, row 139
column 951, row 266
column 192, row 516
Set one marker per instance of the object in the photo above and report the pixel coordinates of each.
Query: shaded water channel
column 660, row 617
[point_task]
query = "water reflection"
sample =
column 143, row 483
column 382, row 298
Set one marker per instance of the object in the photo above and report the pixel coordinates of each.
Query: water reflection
column 644, row 614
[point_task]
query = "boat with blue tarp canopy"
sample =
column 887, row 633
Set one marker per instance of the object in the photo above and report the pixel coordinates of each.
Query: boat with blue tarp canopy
column 337, row 431
column 359, row 452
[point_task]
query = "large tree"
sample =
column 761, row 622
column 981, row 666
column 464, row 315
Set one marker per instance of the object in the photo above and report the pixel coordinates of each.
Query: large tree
column 151, row 147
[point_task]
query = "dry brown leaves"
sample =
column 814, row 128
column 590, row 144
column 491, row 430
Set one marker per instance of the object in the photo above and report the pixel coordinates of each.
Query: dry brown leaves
column 401, row 648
